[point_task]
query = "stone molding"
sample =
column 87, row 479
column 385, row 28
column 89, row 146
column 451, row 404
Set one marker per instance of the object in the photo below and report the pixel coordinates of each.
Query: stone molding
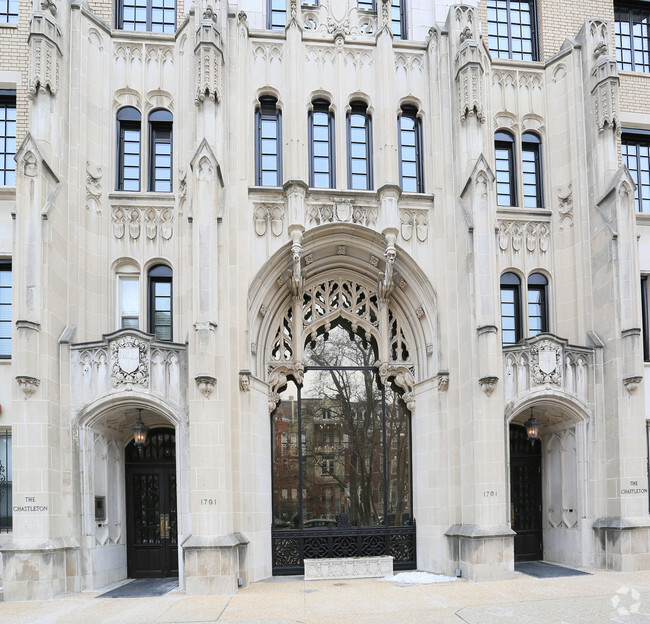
column 28, row 384
column 206, row 384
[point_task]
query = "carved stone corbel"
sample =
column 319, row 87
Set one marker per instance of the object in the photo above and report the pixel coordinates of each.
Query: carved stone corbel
column 632, row 383
column 488, row 384
column 28, row 384
column 277, row 380
column 402, row 376
column 245, row 380
column 386, row 278
column 296, row 280
column 206, row 384
column 443, row 381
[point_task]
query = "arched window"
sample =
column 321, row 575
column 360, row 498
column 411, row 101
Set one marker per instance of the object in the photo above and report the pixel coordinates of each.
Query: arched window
column 359, row 147
column 531, row 169
column 160, row 302
column 321, row 146
column 160, row 151
column 504, row 145
column 128, row 149
column 537, row 304
column 352, row 470
column 128, row 296
column 510, row 309
column 410, row 151
column 146, row 15
column 268, row 143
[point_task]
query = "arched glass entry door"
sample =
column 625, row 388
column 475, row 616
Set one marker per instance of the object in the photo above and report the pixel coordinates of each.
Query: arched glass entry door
column 341, row 460
column 152, row 537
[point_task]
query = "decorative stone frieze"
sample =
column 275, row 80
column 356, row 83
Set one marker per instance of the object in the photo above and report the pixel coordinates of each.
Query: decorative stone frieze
column 44, row 55
column 546, row 360
column 133, row 222
column 340, row 211
column 530, row 236
column 488, row 384
column 28, row 384
column 206, row 384
column 414, row 221
column 268, row 216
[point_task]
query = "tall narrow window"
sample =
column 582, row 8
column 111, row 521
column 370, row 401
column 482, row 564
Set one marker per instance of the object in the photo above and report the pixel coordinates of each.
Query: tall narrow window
column 511, row 29
column 410, row 151
column 7, row 136
column 398, row 18
column 359, row 148
column 510, row 309
column 129, row 298
column 504, row 145
column 635, row 146
column 5, row 309
column 632, row 42
column 9, row 11
column 531, row 168
column 644, row 318
column 268, row 142
column 537, row 305
column 146, row 15
column 160, row 302
column 128, row 158
column 276, row 14
column 321, row 146
column 6, row 478
column 160, row 151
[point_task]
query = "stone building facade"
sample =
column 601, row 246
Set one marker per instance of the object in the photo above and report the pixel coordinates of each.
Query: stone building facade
column 220, row 210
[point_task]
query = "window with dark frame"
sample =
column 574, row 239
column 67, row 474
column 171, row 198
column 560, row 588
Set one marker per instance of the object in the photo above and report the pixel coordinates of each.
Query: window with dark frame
column 537, row 304
column 160, row 302
column 631, row 22
column 368, row 5
column 160, row 151
column 9, row 11
column 644, row 318
column 635, row 149
column 128, row 157
column 410, row 151
column 276, row 14
column 6, row 483
column 512, row 29
column 504, row 145
column 146, row 15
column 6, row 297
column 531, row 169
column 7, row 137
column 359, row 147
column 321, row 146
column 129, row 294
column 510, row 309
column 398, row 18
column 647, row 439
column 268, row 143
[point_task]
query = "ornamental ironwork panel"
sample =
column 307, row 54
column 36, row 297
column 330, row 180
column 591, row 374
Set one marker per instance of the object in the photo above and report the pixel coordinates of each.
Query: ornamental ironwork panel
column 292, row 547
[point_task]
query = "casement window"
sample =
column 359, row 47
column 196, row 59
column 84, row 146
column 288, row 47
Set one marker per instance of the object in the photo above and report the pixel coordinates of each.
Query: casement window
column 537, row 309
column 645, row 318
column 512, row 29
column 268, row 143
column 398, row 18
column 511, row 191
column 9, row 11
column 6, row 296
column 359, row 147
column 128, row 158
column 160, row 151
column 635, row 148
column 276, row 14
column 146, row 15
column 321, row 146
column 129, row 297
column 510, row 309
column 160, row 302
column 7, row 136
column 368, row 5
column 6, row 479
column 410, row 151
column 631, row 22
column 536, row 297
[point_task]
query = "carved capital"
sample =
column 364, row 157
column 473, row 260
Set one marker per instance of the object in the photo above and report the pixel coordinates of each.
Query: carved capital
column 402, row 376
column 28, row 384
column 488, row 384
column 277, row 380
column 206, row 384
column 632, row 383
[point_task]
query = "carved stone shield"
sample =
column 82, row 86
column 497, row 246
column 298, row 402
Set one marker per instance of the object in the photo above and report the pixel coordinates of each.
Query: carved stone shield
column 128, row 358
column 547, row 360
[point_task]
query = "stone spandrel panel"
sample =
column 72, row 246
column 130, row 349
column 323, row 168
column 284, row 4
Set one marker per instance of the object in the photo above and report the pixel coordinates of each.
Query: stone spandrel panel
column 128, row 361
column 518, row 98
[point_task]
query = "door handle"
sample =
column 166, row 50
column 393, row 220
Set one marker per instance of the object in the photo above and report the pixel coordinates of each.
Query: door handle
column 164, row 526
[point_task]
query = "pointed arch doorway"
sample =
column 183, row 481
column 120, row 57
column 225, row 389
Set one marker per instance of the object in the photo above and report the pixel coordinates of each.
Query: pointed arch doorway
column 152, row 535
column 341, row 450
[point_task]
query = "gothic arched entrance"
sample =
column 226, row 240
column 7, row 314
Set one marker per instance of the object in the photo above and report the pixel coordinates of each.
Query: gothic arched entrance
column 152, row 532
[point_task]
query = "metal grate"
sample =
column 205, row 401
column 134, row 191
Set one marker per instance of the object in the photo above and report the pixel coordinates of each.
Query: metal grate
column 6, row 521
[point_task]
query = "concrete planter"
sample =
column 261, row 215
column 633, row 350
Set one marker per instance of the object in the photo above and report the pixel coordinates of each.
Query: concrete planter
column 345, row 568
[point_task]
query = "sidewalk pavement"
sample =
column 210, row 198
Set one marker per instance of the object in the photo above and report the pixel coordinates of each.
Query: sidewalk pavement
column 603, row 596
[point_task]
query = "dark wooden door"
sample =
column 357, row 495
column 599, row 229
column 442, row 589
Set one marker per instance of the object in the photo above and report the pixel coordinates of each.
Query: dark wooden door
column 526, row 495
column 152, row 537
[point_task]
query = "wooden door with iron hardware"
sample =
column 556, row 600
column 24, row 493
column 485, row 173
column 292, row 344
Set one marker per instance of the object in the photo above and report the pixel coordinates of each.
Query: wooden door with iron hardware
column 152, row 537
